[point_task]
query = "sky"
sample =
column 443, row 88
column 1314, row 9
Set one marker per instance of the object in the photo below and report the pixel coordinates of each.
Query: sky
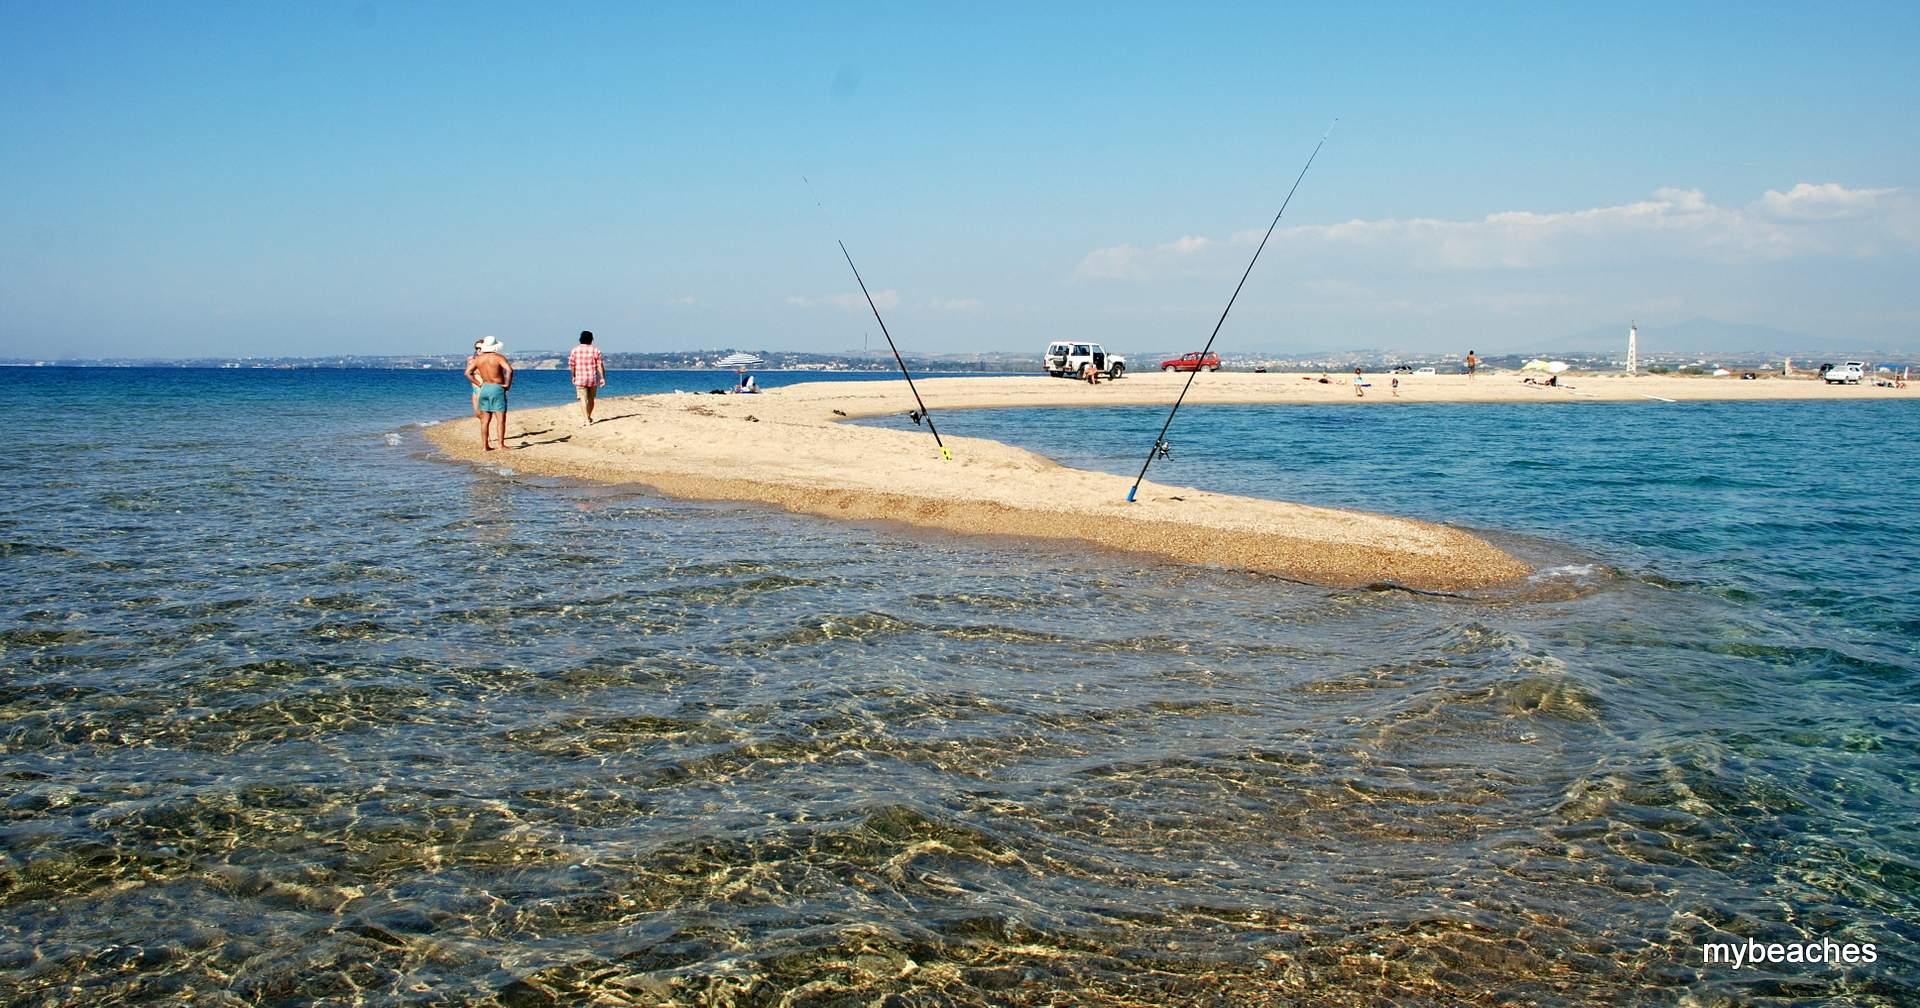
column 182, row 180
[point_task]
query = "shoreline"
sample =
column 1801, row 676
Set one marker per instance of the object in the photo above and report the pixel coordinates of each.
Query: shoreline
column 1243, row 388
column 788, row 447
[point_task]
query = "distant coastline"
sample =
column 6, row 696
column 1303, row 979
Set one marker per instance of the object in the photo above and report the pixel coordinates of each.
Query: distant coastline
column 1011, row 362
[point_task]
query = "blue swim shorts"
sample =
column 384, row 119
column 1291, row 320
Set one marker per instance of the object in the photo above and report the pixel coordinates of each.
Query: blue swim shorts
column 493, row 398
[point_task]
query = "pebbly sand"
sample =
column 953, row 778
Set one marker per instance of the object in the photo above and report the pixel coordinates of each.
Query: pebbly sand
column 786, row 447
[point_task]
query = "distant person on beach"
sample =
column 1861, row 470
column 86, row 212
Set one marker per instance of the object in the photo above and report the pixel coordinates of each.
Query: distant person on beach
column 1360, row 384
column 1396, row 387
column 744, row 384
column 476, row 385
column 1092, row 373
column 491, row 370
column 1473, row 363
column 589, row 369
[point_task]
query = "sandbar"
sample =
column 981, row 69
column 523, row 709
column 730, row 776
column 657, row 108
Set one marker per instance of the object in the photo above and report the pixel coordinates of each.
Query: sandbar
column 789, row 447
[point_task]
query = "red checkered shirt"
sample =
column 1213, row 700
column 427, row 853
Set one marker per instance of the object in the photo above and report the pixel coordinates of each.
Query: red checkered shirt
column 585, row 364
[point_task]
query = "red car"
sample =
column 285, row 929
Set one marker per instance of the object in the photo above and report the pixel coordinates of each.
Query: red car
column 1192, row 362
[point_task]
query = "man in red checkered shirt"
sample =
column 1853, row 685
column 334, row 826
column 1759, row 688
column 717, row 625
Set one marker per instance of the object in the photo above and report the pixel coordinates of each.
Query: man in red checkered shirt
column 589, row 373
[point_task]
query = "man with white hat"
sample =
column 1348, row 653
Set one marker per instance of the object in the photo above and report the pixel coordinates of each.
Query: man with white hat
column 491, row 370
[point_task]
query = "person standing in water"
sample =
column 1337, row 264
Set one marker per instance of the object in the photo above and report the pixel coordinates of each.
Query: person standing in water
column 491, row 370
column 589, row 369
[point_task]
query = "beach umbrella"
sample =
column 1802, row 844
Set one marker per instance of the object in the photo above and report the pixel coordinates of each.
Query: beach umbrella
column 1558, row 366
column 738, row 360
column 1537, row 365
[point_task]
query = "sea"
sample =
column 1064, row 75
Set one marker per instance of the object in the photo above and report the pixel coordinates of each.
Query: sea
column 295, row 712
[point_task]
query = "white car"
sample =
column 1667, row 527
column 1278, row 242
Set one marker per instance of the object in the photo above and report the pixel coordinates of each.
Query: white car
column 1850, row 373
column 1068, row 359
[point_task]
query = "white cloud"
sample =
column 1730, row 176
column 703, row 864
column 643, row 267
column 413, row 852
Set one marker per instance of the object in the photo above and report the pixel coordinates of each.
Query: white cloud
column 848, row 302
column 1112, row 263
column 1675, row 224
column 1522, row 302
column 1127, row 260
column 883, row 298
column 1681, row 201
column 1827, row 201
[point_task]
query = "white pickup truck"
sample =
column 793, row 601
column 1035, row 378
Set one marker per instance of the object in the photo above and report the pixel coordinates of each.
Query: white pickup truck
column 1849, row 373
column 1070, row 359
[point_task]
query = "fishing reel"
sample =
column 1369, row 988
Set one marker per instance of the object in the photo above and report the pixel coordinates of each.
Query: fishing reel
column 914, row 415
column 1163, row 449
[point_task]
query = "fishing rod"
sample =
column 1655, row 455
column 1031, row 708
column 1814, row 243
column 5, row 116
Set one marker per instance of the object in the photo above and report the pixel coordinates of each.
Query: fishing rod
column 1161, row 448
column 922, row 413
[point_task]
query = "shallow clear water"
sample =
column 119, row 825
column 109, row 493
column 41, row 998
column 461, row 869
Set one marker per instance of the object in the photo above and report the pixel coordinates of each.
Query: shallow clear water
column 293, row 713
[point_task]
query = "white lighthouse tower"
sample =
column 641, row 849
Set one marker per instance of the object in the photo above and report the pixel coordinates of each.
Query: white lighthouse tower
column 1633, row 350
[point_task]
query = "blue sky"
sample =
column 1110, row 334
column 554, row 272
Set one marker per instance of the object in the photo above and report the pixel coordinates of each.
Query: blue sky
column 279, row 179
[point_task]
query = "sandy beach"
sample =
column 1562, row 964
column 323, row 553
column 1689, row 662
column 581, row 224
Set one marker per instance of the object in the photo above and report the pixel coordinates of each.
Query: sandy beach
column 788, row 447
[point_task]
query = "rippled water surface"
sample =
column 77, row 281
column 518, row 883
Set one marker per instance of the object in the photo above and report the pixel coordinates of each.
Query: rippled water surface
column 292, row 713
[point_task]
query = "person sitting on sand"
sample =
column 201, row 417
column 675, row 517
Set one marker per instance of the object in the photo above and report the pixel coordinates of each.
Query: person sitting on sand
column 745, row 383
column 1092, row 373
column 491, row 370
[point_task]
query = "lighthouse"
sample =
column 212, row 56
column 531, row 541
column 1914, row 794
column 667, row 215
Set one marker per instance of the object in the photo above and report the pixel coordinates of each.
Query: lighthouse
column 1633, row 350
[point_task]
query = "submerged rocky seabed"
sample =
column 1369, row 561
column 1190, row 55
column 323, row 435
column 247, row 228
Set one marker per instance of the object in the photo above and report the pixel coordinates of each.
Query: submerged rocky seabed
column 352, row 726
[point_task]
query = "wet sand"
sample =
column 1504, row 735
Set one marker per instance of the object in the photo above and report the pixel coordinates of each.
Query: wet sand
column 787, row 447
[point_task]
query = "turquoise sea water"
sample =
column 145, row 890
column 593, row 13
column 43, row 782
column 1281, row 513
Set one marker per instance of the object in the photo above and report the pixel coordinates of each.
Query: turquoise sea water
column 293, row 713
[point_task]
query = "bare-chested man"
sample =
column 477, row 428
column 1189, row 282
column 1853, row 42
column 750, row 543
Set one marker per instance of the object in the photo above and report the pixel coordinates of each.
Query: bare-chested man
column 490, row 370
